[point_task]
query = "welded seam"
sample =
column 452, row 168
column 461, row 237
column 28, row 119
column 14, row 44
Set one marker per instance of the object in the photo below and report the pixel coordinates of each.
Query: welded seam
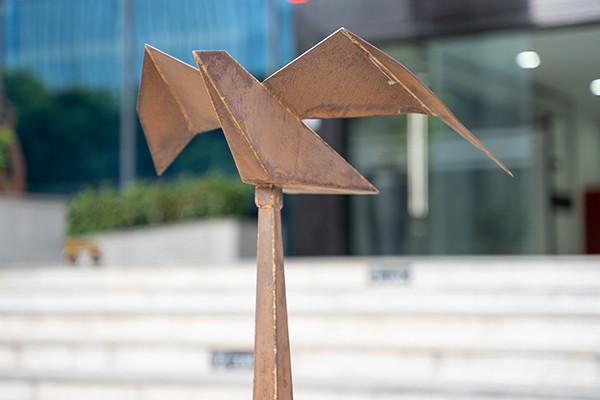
column 236, row 123
column 386, row 71
column 172, row 93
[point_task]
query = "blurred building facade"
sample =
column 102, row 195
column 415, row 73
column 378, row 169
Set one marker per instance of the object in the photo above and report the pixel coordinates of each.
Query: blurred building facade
column 519, row 75
column 97, row 46
column 541, row 120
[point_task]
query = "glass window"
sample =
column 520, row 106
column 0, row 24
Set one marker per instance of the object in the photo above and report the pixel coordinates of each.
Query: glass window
column 526, row 96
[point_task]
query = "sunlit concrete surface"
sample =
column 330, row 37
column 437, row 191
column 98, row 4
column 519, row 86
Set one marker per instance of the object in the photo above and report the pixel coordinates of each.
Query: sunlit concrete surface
column 360, row 328
column 222, row 240
column 32, row 228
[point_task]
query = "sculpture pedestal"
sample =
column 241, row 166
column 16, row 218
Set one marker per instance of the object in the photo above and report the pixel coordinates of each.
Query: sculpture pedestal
column 272, row 369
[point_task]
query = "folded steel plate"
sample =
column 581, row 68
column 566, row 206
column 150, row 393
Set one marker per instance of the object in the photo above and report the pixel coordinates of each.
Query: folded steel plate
column 343, row 76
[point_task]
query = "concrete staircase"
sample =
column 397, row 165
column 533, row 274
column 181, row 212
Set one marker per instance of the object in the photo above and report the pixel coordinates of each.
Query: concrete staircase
column 423, row 328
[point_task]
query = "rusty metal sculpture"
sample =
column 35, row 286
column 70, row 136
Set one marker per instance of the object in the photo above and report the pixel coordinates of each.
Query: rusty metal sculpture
column 343, row 76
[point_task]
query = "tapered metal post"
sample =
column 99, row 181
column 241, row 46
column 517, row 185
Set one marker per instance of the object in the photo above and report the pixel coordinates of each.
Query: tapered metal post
column 272, row 369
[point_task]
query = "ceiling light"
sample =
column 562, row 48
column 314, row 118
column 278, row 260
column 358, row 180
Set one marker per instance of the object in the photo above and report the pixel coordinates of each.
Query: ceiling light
column 595, row 87
column 528, row 59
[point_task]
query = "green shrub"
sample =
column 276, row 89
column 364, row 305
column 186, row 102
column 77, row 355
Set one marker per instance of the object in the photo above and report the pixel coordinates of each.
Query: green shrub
column 145, row 203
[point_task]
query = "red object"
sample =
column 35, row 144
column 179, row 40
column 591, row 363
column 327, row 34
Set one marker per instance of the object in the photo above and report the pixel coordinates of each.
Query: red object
column 592, row 221
column 298, row 1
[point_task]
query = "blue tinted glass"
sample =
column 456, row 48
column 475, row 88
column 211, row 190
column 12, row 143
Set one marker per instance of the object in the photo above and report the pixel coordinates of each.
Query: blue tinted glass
column 74, row 42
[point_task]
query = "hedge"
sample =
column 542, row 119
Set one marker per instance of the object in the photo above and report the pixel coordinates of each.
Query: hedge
column 147, row 203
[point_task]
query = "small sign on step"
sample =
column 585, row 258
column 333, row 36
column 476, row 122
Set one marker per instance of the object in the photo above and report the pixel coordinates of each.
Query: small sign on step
column 239, row 360
column 390, row 274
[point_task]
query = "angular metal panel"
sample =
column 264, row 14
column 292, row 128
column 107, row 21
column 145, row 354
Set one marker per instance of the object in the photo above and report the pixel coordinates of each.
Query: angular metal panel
column 292, row 154
column 173, row 106
column 345, row 76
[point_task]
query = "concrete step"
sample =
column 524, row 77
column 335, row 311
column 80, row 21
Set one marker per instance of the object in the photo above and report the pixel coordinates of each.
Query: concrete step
column 369, row 300
column 564, row 333
column 76, row 385
column 543, row 274
column 379, row 328
column 383, row 365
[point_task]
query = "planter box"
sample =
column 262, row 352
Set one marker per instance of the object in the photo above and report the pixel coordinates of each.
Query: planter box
column 198, row 242
column 32, row 229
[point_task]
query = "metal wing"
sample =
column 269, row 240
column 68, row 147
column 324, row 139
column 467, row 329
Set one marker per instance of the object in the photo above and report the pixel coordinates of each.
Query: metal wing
column 345, row 76
column 173, row 106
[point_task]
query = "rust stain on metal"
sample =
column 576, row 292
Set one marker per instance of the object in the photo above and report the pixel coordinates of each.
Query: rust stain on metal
column 342, row 76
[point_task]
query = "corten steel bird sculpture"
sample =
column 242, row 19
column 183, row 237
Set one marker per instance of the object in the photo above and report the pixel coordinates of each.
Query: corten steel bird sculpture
column 343, row 76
